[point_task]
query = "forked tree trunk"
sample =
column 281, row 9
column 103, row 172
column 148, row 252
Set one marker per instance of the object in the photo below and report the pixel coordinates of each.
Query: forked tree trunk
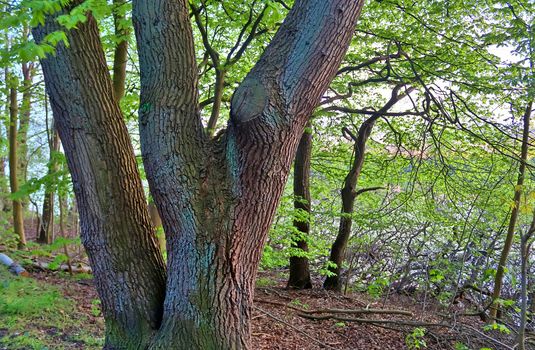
column 18, row 214
column 500, row 271
column 216, row 198
column 46, row 228
column 349, row 193
column 299, row 270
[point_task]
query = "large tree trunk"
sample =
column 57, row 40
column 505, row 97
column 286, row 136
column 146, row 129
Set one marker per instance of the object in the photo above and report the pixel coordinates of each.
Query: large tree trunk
column 115, row 226
column 299, row 270
column 46, row 228
column 216, row 198
column 18, row 213
column 500, row 271
column 349, row 193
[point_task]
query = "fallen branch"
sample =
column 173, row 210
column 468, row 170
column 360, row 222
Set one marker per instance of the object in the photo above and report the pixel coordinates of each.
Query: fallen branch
column 63, row 267
column 294, row 328
column 13, row 267
column 338, row 311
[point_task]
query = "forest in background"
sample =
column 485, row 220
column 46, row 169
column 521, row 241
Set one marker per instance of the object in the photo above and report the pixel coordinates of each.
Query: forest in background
column 414, row 176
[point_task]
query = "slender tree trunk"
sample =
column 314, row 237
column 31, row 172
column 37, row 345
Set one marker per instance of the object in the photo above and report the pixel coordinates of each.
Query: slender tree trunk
column 299, row 270
column 216, row 198
column 218, row 97
column 18, row 214
column 349, row 193
column 500, row 271
column 24, row 123
column 120, row 58
column 46, row 229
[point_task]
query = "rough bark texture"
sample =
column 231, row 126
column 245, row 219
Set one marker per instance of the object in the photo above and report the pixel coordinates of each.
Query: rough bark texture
column 216, row 198
column 46, row 228
column 349, row 193
column 18, row 213
column 500, row 271
column 115, row 226
column 299, row 270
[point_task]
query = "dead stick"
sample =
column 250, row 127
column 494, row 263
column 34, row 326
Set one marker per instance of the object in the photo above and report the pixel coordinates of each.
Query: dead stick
column 338, row 311
column 294, row 328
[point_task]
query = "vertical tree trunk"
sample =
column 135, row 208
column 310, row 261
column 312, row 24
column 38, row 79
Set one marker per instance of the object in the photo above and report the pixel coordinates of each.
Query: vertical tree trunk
column 18, row 214
column 46, row 229
column 120, row 56
column 498, row 279
column 348, row 193
column 24, row 122
column 299, row 270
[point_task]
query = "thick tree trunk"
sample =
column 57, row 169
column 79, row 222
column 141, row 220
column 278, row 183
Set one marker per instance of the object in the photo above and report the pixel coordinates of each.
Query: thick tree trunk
column 299, row 270
column 18, row 213
column 500, row 271
column 216, row 198
column 115, row 226
column 348, row 193
column 46, row 228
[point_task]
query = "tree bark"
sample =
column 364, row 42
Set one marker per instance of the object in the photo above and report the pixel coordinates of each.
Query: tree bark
column 216, row 198
column 115, row 226
column 299, row 270
column 120, row 56
column 348, row 193
column 18, row 213
column 500, row 271
column 46, row 228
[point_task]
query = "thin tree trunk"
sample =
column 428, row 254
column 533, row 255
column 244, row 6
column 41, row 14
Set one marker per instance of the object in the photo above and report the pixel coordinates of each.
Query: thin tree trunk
column 18, row 214
column 218, row 97
column 299, row 270
column 120, row 57
column 46, row 230
column 62, row 232
column 498, row 279
column 5, row 204
column 348, row 193
column 24, row 122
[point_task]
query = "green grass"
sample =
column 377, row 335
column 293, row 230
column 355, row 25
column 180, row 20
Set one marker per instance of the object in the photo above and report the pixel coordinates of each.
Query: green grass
column 36, row 315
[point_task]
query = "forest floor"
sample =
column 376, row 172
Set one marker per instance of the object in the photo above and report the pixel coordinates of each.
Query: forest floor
column 58, row 311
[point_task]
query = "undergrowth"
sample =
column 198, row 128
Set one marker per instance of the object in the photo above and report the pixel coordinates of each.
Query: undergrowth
column 36, row 315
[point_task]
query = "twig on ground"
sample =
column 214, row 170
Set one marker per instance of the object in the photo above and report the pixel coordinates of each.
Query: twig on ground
column 294, row 328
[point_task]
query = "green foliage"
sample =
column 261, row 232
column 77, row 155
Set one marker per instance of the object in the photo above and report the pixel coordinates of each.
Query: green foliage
column 497, row 327
column 415, row 340
column 34, row 315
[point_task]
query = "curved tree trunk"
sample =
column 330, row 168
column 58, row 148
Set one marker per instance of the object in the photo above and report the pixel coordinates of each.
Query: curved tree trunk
column 216, row 198
column 500, row 271
column 349, row 193
column 115, row 226
column 299, row 270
